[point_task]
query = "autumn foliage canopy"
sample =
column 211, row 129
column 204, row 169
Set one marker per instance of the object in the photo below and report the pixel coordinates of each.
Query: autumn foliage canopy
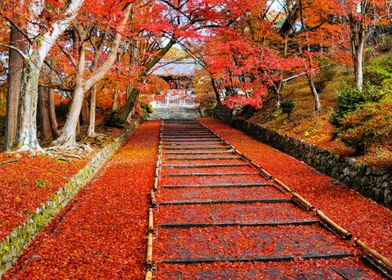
column 103, row 52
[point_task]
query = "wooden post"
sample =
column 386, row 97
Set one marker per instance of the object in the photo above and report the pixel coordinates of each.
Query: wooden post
column 283, row 185
column 341, row 231
column 148, row 275
column 153, row 199
column 373, row 253
column 151, row 221
column 296, row 197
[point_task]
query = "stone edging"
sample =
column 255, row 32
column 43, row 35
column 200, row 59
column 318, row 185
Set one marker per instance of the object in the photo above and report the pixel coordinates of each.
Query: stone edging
column 12, row 246
column 372, row 182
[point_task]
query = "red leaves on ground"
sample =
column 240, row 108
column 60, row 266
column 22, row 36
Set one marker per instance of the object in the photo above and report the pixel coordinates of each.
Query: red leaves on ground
column 100, row 235
column 27, row 183
column 363, row 217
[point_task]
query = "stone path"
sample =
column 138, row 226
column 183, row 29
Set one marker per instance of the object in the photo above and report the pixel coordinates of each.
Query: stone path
column 218, row 218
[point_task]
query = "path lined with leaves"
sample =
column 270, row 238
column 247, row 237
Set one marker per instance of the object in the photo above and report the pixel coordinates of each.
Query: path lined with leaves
column 218, row 218
column 101, row 234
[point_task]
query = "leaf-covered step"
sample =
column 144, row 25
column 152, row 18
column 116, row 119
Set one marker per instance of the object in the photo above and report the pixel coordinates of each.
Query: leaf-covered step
column 248, row 244
column 243, row 168
column 206, row 195
column 347, row 268
column 233, row 214
column 209, row 180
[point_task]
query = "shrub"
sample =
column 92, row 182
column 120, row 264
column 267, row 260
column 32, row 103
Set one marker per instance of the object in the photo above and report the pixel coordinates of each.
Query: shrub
column 368, row 124
column 287, row 107
column 349, row 99
column 146, row 109
column 386, row 86
column 379, row 70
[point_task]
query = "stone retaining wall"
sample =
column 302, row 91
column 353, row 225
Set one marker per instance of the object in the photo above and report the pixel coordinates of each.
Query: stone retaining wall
column 372, row 182
column 12, row 246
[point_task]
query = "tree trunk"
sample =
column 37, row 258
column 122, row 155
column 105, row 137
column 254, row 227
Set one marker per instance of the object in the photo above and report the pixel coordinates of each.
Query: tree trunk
column 15, row 72
column 43, row 109
column 78, row 128
column 316, row 98
column 134, row 94
column 84, row 116
column 217, row 95
column 130, row 104
column 280, row 86
column 38, row 51
column 67, row 138
column 71, row 127
column 28, row 108
column 359, row 64
column 52, row 111
column 68, row 135
column 115, row 106
column 93, row 103
column 278, row 94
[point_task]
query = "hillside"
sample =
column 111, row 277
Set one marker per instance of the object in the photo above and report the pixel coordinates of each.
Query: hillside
column 316, row 128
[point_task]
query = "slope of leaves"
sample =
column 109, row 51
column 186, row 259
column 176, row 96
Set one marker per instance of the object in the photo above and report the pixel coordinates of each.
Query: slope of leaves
column 100, row 235
column 363, row 217
column 28, row 182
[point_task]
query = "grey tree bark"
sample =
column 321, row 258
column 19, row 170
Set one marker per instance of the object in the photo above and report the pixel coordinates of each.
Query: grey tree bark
column 52, row 109
column 67, row 138
column 42, row 42
column 358, row 42
column 93, row 105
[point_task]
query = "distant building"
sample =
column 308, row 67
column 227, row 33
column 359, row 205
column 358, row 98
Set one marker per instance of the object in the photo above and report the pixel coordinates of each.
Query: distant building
column 178, row 74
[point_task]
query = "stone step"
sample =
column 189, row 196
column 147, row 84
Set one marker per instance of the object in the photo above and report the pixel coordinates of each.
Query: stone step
column 238, row 213
column 248, row 244
column 297, row 270
column 216, row 170
column 204, row 165
column 219, row 195
column 215, row 186
column 208, row 180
